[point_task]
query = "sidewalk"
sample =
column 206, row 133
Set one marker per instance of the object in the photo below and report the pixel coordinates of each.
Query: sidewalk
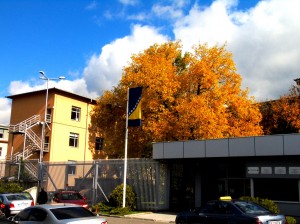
column 157, row 217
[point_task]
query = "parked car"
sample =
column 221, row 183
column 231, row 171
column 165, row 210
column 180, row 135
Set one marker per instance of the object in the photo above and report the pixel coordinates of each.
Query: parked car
column 73, row 197
column 230, row 211
column 12, row 203
column 57, row 214
column 4, row 220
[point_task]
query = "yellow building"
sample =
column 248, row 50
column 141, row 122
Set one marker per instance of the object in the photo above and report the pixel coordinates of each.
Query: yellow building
column 3, row 147
column 65, row 131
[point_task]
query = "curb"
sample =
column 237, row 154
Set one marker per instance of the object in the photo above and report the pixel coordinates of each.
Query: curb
column 137, row 217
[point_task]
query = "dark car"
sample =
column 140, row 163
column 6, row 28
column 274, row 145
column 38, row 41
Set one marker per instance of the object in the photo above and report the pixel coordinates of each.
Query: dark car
column 72, row 197
column 230, row 211
column 4, row 220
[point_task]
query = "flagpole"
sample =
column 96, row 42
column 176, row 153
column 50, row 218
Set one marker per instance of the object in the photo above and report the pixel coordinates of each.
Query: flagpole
column 125, row 157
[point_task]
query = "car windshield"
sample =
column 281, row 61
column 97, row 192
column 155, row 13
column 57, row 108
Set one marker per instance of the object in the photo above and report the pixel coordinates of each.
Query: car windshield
column 71, row 196
column 16, row 197
column 71, row 212
column 251, row 208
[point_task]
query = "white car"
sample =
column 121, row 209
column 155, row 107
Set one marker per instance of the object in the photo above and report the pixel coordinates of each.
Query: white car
column 13, row 203
column 57, row 214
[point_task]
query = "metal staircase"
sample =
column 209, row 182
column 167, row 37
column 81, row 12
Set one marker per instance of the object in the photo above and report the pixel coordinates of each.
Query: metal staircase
column 26, row 124
column 33, row 141
column 32, row 145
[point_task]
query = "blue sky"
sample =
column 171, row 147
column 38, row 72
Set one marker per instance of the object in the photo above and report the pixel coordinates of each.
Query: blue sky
column 89, row 42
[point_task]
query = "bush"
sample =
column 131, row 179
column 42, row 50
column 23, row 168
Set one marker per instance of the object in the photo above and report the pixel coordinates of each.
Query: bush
column 10, row 187
column 270, row 205
column 120, row 211
column 101, row 207
column 291, row 220
column 116, row 197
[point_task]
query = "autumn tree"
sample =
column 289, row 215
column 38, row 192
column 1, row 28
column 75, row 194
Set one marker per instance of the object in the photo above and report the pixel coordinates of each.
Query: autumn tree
column 186, row 96
column 281, row 116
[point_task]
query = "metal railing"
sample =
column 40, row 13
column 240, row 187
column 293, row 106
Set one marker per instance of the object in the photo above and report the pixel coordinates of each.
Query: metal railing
column 26, row 124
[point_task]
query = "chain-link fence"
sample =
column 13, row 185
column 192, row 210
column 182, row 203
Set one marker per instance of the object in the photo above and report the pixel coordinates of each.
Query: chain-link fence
column 96, row 179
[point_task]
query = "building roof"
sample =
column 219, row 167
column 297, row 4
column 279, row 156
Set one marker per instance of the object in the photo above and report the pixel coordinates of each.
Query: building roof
column 4, row 126
column 55, row 91
column 267, row 145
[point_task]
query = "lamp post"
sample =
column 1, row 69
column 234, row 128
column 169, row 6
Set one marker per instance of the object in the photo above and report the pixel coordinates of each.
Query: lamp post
column 297, row 85
column 46, row 78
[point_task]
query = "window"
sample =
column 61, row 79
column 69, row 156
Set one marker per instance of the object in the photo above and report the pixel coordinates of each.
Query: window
column 46, row 144
column 48, row 115
column 73, row 141
column 71, row 167
column 1, row 133
column 75, row 114
column 0, row 151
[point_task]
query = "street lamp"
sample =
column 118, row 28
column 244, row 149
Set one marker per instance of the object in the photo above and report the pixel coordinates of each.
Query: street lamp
column 297, row 85
column 44, row 77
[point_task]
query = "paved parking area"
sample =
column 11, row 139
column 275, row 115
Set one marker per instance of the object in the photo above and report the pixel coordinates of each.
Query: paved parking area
column 157, row 217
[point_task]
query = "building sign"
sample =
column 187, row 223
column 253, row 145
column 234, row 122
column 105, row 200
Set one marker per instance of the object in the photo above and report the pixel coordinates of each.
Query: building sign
column 280, row 170
column 253, row 170
column 273, row 171
column 266, row 170
column 294, row 170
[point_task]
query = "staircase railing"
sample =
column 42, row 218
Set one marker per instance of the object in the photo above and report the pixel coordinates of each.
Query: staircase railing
column 26, row 124
column 31, row 168
column 34, row 138
column 28, row 151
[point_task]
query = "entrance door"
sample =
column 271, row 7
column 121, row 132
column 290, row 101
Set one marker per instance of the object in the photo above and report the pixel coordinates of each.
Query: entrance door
column 234, row 187
column 182, row 187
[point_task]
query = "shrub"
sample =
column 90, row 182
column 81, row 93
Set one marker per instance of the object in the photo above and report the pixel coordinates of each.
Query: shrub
column 120, row 211
column 270, row 205
column 116, row 197
column 101, row 207
column 10, row 187
column 291, row 220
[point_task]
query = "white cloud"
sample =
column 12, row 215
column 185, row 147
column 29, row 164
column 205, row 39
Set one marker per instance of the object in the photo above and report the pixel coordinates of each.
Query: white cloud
column 167, row 12
column 4, row 111
column 104, row 71
column 77, row 86
column 92, row 5
column 264, row 41
column 128, row 2
column 17, row 87
column 209, row 25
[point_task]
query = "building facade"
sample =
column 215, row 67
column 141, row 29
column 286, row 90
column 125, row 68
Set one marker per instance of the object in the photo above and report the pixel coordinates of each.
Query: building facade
column 3, row 148
column 262, row 166
column 57, row 132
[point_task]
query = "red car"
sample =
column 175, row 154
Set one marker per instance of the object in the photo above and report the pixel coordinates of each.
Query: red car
column 72, row 197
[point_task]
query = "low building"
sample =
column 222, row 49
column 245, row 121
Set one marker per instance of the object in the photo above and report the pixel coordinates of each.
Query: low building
column 55, row 131
column 261, row 166
column 3, row 148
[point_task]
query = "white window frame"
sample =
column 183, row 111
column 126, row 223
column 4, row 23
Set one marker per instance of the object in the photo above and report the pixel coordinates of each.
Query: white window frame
column 75, row 113
column 71, row 167
column 74, row 140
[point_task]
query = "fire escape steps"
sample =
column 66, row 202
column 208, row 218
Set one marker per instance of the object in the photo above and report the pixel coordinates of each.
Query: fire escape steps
column 32, row 145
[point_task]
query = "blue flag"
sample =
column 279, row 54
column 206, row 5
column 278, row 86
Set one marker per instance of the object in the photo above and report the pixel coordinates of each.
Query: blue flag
column 134, row 107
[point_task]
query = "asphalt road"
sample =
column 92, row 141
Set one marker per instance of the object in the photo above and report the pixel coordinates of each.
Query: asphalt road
column 117, row 220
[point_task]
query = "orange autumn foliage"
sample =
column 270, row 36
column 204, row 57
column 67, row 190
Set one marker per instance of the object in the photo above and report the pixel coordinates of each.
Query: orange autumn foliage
column 190, row 96
column 282, row 116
